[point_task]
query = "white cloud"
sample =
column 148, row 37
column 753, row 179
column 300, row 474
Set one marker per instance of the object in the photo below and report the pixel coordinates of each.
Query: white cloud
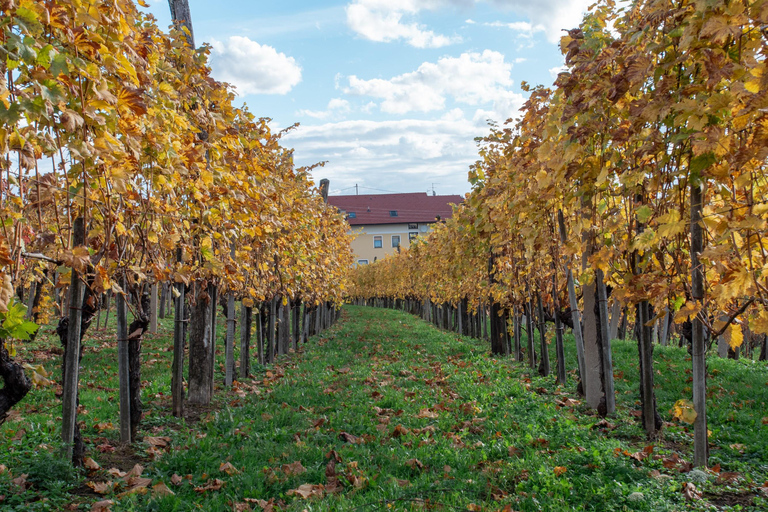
column 336, row 107
column 553, row 72
column 385, row 21
column 552, row 16
column 470, row 79
column 403, row 155
column 253, row 68
column 393, row 20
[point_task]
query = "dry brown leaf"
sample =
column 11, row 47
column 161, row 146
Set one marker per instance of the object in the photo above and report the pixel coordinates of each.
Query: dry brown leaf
column 560, row 470
column 102, row 506
column 307, row 491
column 135, row 482
column 101, row 487
column 690, row 492
column 91, row 464
column 349, row 438
column 162, row 490
column 228, row 468
column 137, row 470
column 117, row 473
column 414, row 464
column 158, row 442
column 211, row 485
column 427, row 413
column 21, row 481
column 176, row 479
column 293, row 469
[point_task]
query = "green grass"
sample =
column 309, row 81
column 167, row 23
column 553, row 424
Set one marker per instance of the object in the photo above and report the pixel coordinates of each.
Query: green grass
column 438, row 423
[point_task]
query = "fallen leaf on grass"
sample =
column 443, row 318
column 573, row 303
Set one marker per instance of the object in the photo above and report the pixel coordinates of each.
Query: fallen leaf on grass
column 399, row 431
column 266, row 506
column 136, row 470
column 427, row 413
column 101, row 487
column 91, row 464
column 21, row 481
column 728, row 477
column 414, row 464
column 293, row 469
column 211, row 485
column 102, row 506
column 228, row 468
column 176, row 479
column 514, row 451
column 106, row 448
column 603, row 424
column 559, row 470
column 117, row 473
column 349, row 438
column 690, row 492
column 158, row 442
column 307, row 491
column 162, row 490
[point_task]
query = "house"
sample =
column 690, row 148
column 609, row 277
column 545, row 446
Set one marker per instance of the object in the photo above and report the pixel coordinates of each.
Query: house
column 384, row 223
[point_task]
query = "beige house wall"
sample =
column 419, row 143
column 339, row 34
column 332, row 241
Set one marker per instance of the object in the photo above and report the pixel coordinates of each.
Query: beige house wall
column 363, row 244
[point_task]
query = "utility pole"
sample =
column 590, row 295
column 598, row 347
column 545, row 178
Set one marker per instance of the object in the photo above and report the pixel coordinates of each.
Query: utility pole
column 357, row 193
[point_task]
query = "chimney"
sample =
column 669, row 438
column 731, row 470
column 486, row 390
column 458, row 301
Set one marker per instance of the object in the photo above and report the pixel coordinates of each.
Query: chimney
column 324, row 185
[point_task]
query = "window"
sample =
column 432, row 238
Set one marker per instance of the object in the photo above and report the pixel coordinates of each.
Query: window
column 412, row 235
column 362, row 262
column 413, row 226
column 393, row 213
column 352, row 215
column 378, row 241
column 395, row 240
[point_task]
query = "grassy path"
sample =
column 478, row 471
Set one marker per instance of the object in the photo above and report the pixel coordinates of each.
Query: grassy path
column 383, row 412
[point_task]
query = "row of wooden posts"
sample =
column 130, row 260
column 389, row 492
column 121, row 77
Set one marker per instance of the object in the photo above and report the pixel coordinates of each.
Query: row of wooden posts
column 280, row 325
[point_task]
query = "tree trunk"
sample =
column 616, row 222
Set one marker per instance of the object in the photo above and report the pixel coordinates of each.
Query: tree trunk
column 16, row 384
column 518, row 341
column 162, row 300
column 271, row 349
column 123, row 365
column 200, row 341
column 650, row 416
column 136, row 332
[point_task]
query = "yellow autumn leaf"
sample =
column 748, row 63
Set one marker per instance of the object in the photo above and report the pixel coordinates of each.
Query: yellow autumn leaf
column 683, row 410
column 734, row 336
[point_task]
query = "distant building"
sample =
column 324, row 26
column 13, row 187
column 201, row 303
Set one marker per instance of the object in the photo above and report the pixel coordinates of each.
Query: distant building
column 384, row 223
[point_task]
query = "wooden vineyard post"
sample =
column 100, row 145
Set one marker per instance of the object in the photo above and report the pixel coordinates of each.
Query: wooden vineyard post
column 698, row 346
column 229, row 344
column 123, row 364
column 153, row 309
column 561, row 376
column 531, row 342
column 544, row 366
column 602, row 297
column 72, row 350
column 245, row 340
column 177, row 369
column 574, row 303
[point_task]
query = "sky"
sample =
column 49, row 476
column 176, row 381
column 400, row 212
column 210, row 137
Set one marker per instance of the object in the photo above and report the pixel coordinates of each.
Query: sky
column 390, row 94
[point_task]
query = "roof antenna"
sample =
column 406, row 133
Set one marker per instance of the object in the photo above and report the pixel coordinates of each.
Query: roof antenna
column 433, row 189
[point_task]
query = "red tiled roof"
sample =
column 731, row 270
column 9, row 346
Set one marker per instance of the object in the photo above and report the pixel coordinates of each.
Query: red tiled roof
column 411, row 207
